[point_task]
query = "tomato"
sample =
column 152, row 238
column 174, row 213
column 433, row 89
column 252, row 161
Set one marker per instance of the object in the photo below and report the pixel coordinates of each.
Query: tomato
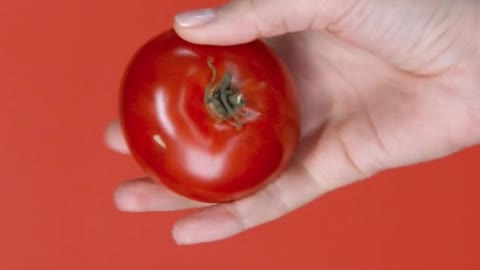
column 212, row 123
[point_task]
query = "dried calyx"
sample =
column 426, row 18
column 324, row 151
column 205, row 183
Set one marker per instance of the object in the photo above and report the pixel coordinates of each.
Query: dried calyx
column 222, row 99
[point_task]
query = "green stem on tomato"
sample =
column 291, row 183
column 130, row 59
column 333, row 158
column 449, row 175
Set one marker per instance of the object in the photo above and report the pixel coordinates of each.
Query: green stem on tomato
column 222, row 100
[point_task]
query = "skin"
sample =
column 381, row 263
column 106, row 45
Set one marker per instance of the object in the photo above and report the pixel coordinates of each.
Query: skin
column 384, row 84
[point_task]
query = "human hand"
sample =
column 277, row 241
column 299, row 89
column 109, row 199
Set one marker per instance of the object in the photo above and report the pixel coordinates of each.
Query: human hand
column 382, row 84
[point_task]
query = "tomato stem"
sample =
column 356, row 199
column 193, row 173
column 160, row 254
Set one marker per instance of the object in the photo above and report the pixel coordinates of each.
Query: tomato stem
column 222, row 100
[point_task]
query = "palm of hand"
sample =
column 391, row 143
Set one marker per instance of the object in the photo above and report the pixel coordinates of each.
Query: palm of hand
column 362, row 115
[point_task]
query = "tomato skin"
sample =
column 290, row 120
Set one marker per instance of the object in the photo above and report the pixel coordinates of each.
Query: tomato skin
column 176, row 139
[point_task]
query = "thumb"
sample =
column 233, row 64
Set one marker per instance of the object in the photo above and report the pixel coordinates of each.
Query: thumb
column 241, row 21
column 424, row 37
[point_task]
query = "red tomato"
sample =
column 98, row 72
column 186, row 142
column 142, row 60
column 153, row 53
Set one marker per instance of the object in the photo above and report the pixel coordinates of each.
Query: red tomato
column 212, row 123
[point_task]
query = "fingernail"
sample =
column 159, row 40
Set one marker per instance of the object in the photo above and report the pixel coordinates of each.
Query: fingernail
column 114, row 138
column 195, row 18
column 183, row 235
column 126, row 201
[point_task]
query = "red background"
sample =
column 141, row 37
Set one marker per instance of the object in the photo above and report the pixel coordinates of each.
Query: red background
column 60, row 66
